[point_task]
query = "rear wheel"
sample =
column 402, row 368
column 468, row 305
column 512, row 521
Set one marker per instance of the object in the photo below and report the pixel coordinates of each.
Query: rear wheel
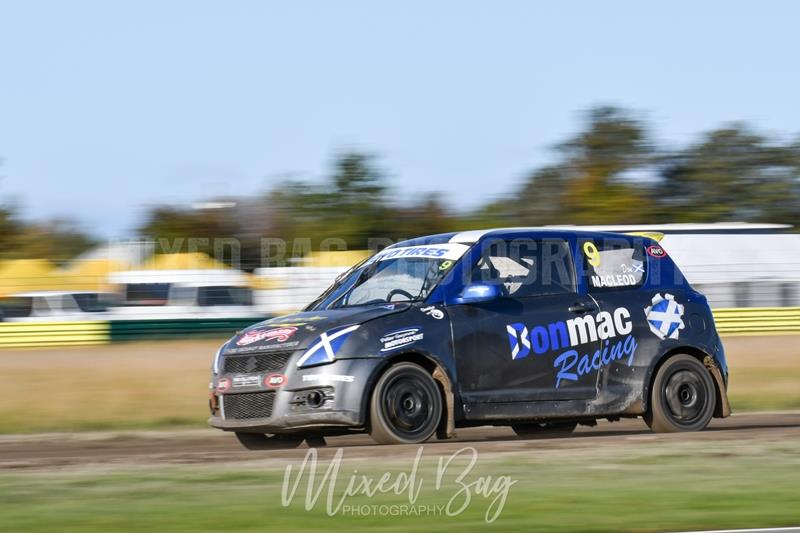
column 405, row 407
column 260, row 441
column 544, row 429
column 683, row 396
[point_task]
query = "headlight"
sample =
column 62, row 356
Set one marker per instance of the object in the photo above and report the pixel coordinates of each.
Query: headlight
column 324, row 349
column 215, row 366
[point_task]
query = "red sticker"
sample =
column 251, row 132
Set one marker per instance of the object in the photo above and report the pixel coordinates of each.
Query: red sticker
column 656, row 251
column 223, row 385
column 278, row 334
column 274, row 381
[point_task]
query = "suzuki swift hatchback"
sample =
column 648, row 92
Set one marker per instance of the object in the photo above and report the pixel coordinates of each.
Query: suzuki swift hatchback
column 537, row 329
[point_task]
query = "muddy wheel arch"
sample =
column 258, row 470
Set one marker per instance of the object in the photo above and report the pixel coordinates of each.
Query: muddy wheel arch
column 446, row 427
column 722, row 409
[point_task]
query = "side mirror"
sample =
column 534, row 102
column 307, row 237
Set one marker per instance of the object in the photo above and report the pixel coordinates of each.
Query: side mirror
column 478, row 292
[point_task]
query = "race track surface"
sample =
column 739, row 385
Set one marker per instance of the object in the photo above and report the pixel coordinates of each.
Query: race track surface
column 211, row 446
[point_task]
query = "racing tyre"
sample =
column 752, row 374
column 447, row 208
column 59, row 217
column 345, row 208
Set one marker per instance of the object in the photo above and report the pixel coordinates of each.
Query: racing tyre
column 406, row 406
column 544, row 429
column 260, row 441
column 683, row 396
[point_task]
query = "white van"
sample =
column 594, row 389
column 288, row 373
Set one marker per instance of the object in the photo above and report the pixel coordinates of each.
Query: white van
column 183, row 294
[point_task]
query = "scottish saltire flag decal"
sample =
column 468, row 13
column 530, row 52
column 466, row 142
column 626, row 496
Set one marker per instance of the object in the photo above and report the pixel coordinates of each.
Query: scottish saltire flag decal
column 325, row 348
column 665, row 316
column 518, row 340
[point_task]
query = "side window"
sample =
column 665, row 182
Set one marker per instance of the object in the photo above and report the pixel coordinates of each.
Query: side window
column 525, row 267
column 613, row 263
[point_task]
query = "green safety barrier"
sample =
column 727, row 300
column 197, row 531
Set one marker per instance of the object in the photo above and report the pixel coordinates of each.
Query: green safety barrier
column 130, row 330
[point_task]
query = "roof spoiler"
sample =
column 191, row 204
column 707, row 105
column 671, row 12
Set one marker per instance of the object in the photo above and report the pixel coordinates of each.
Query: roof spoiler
column 656, row 236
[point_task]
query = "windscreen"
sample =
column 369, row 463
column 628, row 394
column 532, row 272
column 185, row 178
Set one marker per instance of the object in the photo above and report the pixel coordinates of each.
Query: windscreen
column 393, row 275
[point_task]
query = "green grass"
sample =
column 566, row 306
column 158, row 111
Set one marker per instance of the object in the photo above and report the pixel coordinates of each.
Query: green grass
column 643, row 486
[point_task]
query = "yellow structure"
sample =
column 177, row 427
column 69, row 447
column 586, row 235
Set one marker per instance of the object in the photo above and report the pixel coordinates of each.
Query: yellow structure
column 188, row 261
column 23, row 275
column 88, row 275
column 335, row 259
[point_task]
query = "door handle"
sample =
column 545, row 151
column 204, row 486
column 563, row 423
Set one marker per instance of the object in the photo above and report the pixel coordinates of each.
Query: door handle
column 581, row 308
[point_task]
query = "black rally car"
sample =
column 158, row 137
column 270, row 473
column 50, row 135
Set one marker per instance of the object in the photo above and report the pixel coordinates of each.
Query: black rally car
column 537, row 329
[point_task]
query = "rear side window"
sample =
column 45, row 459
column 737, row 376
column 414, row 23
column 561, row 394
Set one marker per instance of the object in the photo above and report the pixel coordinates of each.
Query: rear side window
column 613, row 264
column 525, row 267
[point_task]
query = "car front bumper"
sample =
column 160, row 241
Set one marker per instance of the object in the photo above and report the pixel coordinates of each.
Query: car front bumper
column 327, row 398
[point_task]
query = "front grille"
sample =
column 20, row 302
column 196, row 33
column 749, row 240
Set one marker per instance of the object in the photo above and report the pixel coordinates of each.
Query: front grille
column 251, row 364
column 248, row 405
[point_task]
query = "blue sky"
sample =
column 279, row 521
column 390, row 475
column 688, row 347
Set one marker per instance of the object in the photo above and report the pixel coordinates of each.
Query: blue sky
column 108, row 107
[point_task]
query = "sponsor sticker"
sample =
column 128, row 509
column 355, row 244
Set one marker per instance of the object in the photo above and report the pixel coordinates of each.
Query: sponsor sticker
column 657, row 251
column 448, row 251
column 256, row 335
column 398, row 339
column 245, row 381
column 328, row 377
column 433, row 312
column 223, row 385
column 607, row 335
column 261, row 348
column 274, row 381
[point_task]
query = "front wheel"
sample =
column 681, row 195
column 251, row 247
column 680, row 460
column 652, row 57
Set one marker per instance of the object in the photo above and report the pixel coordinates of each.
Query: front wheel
column 260, row 441
column 683, row 396
column 405, row 407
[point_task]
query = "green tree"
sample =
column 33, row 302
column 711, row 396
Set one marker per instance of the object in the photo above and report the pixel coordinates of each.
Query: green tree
column 56, row 240
column 597, row 181
column 732, row 174
column 349, row 205
column 599, row 164
column 182, row 229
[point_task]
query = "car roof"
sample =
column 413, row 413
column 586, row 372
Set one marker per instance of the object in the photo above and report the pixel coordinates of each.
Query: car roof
column 473, row 236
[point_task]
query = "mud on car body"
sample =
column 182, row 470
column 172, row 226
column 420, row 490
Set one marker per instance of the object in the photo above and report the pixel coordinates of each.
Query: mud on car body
column 536, row 329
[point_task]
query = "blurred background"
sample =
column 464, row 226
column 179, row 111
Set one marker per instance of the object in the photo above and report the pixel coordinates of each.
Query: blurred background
column 192, row 161
column 173, row 172
column 181, row 171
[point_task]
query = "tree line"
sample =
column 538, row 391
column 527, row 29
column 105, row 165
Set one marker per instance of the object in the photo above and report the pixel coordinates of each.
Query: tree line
column 612, row 171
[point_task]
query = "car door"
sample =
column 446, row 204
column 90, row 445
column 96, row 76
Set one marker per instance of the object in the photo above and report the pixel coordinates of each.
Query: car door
column 614, row 269
column 505, row 349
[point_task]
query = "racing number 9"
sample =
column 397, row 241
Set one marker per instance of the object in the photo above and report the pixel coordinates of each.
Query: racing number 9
column 591, row 253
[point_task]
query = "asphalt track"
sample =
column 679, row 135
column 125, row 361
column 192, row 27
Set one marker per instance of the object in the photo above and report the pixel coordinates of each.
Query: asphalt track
column 46, row 451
